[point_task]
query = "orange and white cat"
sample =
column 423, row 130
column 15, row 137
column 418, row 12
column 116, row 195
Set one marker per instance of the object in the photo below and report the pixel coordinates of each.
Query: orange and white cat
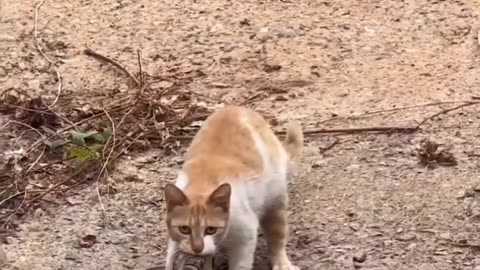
column 233, row 182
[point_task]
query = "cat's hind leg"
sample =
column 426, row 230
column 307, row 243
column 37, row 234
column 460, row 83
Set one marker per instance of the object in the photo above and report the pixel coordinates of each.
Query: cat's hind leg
column 275, row 228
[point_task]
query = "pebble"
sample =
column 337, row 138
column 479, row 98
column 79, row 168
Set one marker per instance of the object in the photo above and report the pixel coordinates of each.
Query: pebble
column 264, row 34
column 354, row 226
column 360, row 256
column 287, row 33
column 123, row 88
column 407, row 237
column 71, row 256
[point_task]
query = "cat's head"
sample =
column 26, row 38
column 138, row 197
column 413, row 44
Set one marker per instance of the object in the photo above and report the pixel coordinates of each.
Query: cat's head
column 197, row 224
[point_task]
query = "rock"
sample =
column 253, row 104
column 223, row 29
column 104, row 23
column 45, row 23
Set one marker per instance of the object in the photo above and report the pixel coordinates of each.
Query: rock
column 228, row 47
column 88, row 241
column 72, row 256
column 217, row 28
column 3, row 72
column 354, row 226
column 264, row 34
column 360, row 256
column 407, row 237
column 287, row 33
column 123, row 88
column 161, row 85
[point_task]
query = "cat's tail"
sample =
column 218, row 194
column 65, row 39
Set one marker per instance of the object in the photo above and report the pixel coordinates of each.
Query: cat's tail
column 293, row 142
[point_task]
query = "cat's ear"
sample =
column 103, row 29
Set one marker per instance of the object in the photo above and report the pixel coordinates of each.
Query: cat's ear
column 174, row 197
column 220, row 197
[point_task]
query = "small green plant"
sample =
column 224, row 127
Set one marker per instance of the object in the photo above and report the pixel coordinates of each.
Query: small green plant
column 81, row 146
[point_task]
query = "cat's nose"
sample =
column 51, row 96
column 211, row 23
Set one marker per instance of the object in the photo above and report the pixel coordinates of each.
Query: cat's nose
column 197, row 245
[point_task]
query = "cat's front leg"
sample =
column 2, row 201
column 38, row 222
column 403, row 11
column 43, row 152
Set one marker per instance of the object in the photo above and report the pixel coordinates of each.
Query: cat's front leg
column 171, row 250
column 241, row 246
column 241, row 255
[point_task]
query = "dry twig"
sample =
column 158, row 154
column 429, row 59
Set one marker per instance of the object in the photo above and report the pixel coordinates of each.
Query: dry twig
column 40, row 50
column 357, row 130
column 330, row 146
column 9, row 216
column 140, row 72
column 466, row 104
column 107, row 161
column 99, row 56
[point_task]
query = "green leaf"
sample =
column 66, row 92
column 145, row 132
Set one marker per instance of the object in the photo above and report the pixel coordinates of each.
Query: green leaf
column 82, row 154
column 99, row 137
column 54, row 145
column 96, row 147
column 78, row 137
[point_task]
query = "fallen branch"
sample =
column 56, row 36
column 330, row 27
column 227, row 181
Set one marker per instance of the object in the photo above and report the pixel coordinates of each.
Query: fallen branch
column 357, row 130
column 99, row 56
column 466, row 104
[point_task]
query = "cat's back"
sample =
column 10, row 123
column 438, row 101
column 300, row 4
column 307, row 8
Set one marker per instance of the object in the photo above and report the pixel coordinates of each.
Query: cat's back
column 234, row 132
column 233, row 142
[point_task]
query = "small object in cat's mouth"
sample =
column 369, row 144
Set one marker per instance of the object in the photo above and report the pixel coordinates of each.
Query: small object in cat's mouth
column 185, row 261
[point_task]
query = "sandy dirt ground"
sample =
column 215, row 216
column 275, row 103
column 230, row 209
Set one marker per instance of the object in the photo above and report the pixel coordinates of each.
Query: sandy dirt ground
column 365, row 203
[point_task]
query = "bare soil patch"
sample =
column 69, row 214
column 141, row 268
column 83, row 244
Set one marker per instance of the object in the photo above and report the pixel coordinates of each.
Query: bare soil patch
column 383, row 199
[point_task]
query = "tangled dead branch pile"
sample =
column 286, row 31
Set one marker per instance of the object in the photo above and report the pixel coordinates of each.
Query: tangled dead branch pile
column 52, row 152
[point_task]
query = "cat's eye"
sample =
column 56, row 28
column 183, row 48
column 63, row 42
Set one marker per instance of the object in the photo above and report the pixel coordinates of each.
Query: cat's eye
column 184, row 229
column 210, row 230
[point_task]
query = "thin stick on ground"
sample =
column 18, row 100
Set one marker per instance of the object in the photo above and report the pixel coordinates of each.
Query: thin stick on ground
column 325, row 149
column 466, row 104
column 411, row 107
column 36, row 161
column 9, row 216
column 52, row 188
column 22, row 124
column 357, row 130
column 139, row 94
column 393, row 110
column 106, row 162
column 67, row 128
column 99, row 56
column 40, row 50
column 30, row 128
column 139, row 57
column 11, row 197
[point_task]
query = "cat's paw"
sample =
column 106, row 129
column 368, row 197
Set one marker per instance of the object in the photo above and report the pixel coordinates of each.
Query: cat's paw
column 284, row 264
